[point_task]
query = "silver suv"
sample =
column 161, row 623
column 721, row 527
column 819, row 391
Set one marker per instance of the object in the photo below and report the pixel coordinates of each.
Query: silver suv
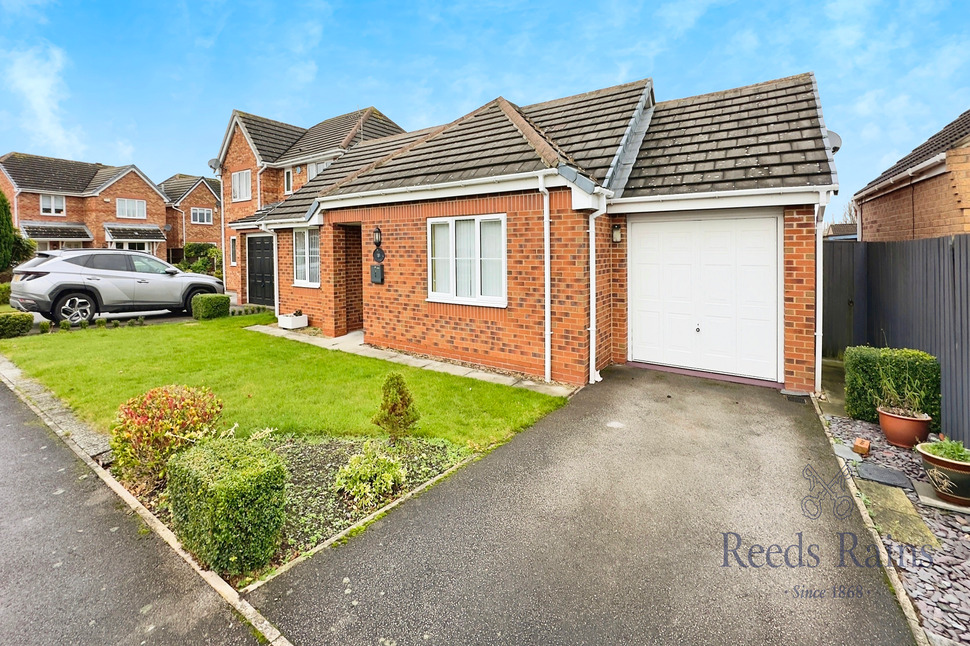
column 76, row 284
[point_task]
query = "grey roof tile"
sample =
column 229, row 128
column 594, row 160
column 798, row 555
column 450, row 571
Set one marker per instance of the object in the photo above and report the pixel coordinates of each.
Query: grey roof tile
column 56, row 230
column 36, row 173
column 177, row 186
column 149, row 232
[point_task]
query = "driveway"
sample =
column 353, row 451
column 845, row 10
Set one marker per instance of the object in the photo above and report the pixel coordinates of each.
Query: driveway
column 605, row 524
column 77, row 567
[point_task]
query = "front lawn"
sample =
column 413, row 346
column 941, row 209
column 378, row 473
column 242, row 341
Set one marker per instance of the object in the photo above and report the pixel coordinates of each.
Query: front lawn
column 265, row 381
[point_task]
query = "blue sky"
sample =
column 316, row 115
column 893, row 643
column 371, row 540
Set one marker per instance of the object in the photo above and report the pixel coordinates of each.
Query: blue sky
column 154, row 83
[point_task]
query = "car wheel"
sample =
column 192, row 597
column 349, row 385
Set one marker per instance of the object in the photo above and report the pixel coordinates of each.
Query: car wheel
column 188, row 299
column 75, row 307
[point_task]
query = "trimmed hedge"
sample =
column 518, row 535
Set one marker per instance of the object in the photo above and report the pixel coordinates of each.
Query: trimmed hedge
column 227, row 500
column 4, row 293
column 15, row 324
column 210, row 306
column 862, row 380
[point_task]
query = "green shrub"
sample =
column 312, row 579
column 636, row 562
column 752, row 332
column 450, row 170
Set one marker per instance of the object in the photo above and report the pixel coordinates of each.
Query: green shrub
column 45, row 327
column 210, row 306
column 131, row 323
column 84, row 324
column 227, row 500
column 101, row 324
column 141, row 320
column 15, row 324
column 4, row 293
column 398, row 413
column 369, row 478
column 153, row 426
column 866, row 368
column 115, row 323
column 65, row 325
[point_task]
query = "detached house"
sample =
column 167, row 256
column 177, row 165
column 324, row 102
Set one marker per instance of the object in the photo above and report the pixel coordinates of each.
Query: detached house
column 63, row 204
column 558, row 238
column 193, row 212
column 261, row 162
column 926, row 194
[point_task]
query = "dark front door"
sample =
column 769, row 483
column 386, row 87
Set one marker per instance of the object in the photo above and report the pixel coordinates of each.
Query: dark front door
column 261, row 275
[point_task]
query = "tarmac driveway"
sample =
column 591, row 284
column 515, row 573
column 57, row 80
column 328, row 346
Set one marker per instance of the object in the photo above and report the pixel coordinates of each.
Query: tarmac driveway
column 606, row 523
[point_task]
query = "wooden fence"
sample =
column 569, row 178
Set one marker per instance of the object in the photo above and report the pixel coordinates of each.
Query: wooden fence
column 912, row 294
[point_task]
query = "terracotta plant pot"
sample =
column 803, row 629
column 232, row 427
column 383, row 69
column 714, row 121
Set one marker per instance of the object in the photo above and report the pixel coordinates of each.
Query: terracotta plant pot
column 950, row 478
column 904, row 432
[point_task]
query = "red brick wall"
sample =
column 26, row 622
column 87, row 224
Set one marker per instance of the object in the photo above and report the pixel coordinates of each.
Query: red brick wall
column 201, row 198
column 98, row 212
column 271, row 185
column 354, row 283
column 239, row 156
column 618, row 308
column 800, row 298
column 929, row 208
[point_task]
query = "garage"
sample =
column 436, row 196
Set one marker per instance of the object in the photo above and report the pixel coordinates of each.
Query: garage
column 704, row 292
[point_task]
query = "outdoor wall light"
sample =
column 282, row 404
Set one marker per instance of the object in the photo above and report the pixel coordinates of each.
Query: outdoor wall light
column 617, row 233
column 378, row 238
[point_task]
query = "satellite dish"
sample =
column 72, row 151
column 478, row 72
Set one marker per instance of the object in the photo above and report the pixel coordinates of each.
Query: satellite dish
column 214, row 164
column 835, row 140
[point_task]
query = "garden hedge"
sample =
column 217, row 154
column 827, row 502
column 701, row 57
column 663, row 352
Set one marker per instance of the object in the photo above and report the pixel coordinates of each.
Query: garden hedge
column 4, row 293
column 15, row 324
column 862, row 377
column 210, row 306
column 227, row 502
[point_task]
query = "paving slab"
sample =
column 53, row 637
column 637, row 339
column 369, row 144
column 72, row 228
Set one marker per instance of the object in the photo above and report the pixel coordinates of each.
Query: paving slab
column 927, row 496
column 883, row 475
column 846, row 453
column 894, row 515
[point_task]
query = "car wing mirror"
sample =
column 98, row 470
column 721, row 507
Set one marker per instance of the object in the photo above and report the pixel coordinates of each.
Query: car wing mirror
column 171, row 271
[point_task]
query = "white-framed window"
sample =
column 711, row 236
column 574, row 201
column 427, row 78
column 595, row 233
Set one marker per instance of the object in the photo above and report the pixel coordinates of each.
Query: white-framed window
column 467, row 260
column 129, row 208
column 288, row 181
column 133, row 246
column 201, row 216
column 242, row 188
column 311, row 171
column 52, row 205
column 306, row 257
column 232, row 251
column 72, row 244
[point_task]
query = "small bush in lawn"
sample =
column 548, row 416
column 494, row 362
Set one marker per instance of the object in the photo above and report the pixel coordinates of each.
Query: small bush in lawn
column 141, row 320
column 867, row 368
column 101, row 324
column 45, row 327
column 115, row 323
column 131, row 323
column 210, row 306
column 65, row 325
column 154, row 426
column 398, row 413
column 15, row 324
column 369, row 478
column 227, row 498
column 84, row 324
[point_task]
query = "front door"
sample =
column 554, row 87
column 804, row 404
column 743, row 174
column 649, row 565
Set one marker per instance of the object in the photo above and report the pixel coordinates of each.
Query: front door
column 261, row 270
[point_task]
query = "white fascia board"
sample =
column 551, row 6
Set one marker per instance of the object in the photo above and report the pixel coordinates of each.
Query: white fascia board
column 794, row 196
column 225, row 140
column 243, row 226
column 10, row 179
column 326, row 155
column 930, row 168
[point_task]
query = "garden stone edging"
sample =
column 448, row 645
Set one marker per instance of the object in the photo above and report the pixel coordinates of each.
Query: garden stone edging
column 72, row 431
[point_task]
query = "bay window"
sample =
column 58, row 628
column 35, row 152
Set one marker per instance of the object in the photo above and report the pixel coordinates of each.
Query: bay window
column 306, row 257
column 467, row 260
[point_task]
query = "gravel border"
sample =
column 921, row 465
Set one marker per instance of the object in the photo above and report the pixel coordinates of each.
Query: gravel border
column 941, row 593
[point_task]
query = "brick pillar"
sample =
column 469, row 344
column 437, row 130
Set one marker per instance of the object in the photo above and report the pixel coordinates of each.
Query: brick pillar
column 800, row 298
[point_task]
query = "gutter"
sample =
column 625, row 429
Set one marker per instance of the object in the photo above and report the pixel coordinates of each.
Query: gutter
column 680, row 197
column 546, row 278
column 906, row 174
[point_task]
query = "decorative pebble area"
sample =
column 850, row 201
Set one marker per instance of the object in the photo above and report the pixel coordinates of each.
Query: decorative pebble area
column 941, row 592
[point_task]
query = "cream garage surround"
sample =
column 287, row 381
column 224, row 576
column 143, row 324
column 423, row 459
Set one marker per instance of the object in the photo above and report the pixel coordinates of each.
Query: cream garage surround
column 705, row 291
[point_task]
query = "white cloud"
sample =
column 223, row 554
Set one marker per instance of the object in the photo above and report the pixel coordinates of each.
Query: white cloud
column 124, row 152
column 34, row 76
column 23, row 9
column 679, row 17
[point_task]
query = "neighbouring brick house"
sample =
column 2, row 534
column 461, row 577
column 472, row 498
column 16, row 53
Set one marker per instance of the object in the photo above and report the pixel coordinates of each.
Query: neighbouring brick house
column 558, row 238
column 193, row 212
column 62, row 204
column 261, row 163
column 926, row 194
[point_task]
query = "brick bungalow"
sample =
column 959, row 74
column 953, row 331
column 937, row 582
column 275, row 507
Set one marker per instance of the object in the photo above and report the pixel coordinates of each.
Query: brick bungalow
column 261, row 163
column 558, row 238
column 193, row 212
column 926, row 194
column 62, row 204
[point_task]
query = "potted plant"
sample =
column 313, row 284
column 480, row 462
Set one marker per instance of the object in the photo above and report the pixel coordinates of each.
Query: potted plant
column 947, row 465
column 293, row 321
column 901, row 412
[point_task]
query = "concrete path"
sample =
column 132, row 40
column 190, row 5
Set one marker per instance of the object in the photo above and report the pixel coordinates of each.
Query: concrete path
column 606, row 524
column 353, row 343
column 76, row 567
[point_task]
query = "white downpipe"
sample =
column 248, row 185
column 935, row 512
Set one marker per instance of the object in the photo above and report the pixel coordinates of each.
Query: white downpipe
column 547, row 276
column 819, row 216
column 259, row 188
column 16, row 216
column 183, row 225
column 594, row 374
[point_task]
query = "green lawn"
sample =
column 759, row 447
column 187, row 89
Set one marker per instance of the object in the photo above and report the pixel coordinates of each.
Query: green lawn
column 4, row 307
column 265, row 381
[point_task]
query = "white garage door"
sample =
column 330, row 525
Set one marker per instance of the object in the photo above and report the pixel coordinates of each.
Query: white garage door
column 704, row 294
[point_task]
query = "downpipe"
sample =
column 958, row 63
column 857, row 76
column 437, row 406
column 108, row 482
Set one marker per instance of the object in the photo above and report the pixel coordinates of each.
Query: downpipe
column 594, row 374
column 820, row 215
column 547, row 277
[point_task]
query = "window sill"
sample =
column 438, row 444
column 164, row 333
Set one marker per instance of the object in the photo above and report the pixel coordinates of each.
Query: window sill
column 202, row 224
column 53, row 215
column 499, row 303
column 128, row 217
column 233, row 264
column 247, row 199
column 300, row 283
